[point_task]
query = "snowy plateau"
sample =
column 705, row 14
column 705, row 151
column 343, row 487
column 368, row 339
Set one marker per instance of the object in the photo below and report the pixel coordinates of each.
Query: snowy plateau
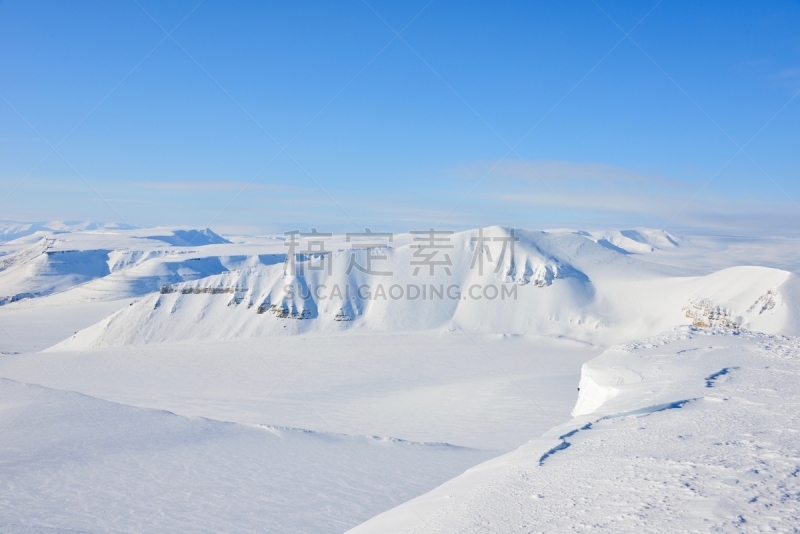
column 176, row 380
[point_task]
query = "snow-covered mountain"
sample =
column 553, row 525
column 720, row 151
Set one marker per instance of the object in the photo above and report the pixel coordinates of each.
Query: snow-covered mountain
column 43, row 263
column 11, row 230
column 194, row 284
column 551, row 283
column 638, row 241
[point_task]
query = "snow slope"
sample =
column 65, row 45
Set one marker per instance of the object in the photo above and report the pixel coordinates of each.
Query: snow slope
column 689, row 431
column 78, row 463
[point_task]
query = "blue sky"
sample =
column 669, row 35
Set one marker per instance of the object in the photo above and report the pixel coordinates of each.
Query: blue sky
column 270, row 116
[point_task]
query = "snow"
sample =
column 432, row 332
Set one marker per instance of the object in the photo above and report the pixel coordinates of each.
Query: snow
column 33, row 325
column 102, row 466
column 468, row 390
column 690, row 431
column 164, row 379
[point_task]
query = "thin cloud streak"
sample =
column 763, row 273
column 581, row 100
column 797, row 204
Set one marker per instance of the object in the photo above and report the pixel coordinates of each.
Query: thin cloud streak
column 209, row 185
column 561, row 172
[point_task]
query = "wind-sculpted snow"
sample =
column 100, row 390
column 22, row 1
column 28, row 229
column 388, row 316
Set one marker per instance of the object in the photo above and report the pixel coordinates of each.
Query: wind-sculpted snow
column 565, row 443
column 667, row 453
column 712, row 378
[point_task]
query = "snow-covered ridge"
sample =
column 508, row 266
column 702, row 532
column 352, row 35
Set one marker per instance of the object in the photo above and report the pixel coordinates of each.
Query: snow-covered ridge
column 692, row 430
column 638, row 241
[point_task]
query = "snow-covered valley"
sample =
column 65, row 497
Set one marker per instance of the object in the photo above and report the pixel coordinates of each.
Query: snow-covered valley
column 174, row 380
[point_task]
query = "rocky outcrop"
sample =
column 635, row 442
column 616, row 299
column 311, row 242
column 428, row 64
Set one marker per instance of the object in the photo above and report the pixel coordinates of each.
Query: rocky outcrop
column 706, row 315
